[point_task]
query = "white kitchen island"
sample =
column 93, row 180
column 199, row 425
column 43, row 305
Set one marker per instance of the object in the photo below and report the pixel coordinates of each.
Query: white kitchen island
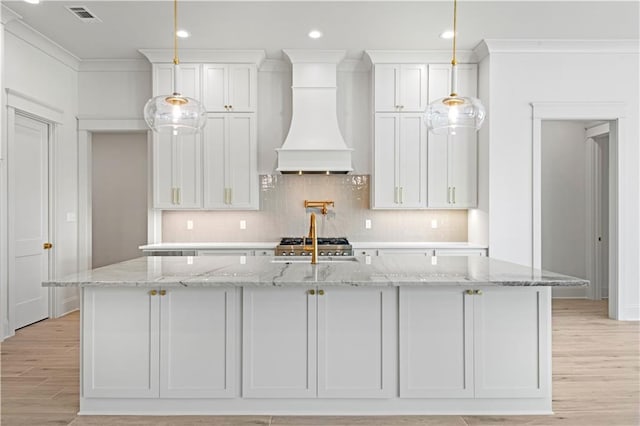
column 374, row 335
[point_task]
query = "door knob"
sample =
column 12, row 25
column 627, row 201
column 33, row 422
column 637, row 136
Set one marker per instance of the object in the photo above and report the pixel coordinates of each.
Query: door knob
column 47, row 246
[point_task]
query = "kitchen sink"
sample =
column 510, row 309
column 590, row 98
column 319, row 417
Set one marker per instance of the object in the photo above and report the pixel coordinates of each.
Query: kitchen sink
column 307, row 259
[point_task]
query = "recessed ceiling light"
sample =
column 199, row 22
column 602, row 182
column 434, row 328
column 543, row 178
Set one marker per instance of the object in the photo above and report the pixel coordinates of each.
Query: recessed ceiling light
column 315, row 34
column 446, row 34
column 182, row 33
column 32, row 1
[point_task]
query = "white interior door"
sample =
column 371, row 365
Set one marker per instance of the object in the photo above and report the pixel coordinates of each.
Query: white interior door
column 29, row 219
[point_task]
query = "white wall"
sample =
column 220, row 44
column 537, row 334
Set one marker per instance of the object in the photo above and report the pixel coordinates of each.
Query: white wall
column 564, row 201
column 516, row 80
column 119, row 196
column 32, row 72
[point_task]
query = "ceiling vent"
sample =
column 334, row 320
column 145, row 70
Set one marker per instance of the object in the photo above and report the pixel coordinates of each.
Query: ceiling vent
column 83, row 14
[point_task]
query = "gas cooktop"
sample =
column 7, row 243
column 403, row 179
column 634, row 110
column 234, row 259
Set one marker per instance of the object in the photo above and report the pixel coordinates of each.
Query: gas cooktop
column 327, row 246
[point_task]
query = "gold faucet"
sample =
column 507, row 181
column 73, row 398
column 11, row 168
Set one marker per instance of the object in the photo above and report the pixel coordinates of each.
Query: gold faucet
column 323, row 205
column 313, row 234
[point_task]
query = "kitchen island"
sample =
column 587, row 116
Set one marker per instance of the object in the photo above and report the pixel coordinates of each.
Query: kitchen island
column 366, row 335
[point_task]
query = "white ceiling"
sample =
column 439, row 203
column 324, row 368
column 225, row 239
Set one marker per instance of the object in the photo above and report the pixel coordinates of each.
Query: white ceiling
column 354, row 25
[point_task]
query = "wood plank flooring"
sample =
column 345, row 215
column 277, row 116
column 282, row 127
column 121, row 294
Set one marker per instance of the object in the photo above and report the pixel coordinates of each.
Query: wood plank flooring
column 596, row 379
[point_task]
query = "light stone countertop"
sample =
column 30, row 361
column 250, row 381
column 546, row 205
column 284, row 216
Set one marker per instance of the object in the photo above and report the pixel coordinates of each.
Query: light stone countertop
column 404, row 270
column 273, row 244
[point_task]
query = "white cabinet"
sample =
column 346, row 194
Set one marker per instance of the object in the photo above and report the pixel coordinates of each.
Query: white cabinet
column 410, row 251
column 173, row 343
column 230, row 87
column 460, row 252
column 332, row 342
column 491, row 342
column 399, row 164
column 230, row 162
column 177, row 160
column 452, row 159
column 225, row 252
column 400, row 87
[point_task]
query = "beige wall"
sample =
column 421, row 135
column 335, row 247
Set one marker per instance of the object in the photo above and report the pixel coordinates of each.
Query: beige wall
column 119, row 196
column 282, row 213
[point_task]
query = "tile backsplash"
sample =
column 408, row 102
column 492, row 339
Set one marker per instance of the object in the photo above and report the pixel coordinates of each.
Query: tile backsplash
column 282, row 213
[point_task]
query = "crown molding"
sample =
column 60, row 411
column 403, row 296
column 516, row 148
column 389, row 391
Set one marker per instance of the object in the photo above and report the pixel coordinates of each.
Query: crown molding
column 275, row 65
column 41, row 42
column 312, row 56
column 8, row 15
column 492, row 46
column 418, row 56
column 159, row 56
column 115, row 65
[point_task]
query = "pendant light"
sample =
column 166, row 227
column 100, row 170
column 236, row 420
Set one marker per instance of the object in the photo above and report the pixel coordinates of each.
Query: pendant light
column 174, row 113
column 445, row 115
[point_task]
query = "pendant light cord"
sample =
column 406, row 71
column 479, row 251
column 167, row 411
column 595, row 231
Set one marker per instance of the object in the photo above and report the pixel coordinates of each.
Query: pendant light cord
column 176, row 61
column 455, row 31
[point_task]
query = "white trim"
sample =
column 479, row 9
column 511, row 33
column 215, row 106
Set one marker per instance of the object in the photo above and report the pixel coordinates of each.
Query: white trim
column 41, row 42
column 154, row 218
column 111, row 124
column 157, row 56
column 7, row 15
column 591, row 186
column 618, row 189
column 115, row 65
column 418, row 56
column 492, row 46
column 599, row 130
column 33, row 106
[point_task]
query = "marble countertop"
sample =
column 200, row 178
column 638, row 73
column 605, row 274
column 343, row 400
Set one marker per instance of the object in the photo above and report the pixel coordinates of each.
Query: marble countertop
column 404, row 270
column 273, row 244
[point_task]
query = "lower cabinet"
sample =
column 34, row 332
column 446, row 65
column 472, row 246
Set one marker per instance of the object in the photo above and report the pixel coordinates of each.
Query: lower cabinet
column 329, row 342
column 174, row 343
column 475, row 343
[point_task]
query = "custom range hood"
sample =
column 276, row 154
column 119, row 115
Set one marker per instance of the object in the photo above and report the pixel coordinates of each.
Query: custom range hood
column 314, row 143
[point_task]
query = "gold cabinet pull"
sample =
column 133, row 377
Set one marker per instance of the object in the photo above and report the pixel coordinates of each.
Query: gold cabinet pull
column 469, row 292
column 153, row 292
column 47, row 246
column 478, row 292
column 454, row 195
column 321, row 292
column 163, row 292
column 312, row 292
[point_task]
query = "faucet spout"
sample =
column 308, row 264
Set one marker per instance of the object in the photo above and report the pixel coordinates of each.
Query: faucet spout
column 313, row 235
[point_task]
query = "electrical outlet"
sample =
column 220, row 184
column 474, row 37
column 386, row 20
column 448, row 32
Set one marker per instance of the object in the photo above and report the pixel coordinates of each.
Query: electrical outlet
column 367, row 260
column 367, row 224
column 243, row 224
column 243, row 260
column 189, row 260
column 189, row 225
column 434, row 223
column 434, row 260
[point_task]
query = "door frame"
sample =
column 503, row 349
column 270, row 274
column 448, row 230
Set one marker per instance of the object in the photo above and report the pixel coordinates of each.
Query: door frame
column 27, row 106
column 615, row 113
column 86, row 127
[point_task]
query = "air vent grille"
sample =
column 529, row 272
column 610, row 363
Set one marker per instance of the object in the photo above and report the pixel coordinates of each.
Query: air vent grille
column 84, row 14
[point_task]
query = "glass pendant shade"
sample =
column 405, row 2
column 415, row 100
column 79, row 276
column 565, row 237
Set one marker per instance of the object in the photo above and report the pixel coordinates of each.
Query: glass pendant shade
column 445, row 115
column 175, row 114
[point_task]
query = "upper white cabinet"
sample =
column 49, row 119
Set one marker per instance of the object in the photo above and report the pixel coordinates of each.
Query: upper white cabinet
column 331, row 342
column 177, row 160
column 230, row 162
column 399, row 163
column 453, row 158
column 400, row 87
column 174, row 343
column 230, row 87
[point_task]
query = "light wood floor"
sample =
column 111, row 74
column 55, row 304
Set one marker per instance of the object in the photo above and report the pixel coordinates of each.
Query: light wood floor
column 596, row 379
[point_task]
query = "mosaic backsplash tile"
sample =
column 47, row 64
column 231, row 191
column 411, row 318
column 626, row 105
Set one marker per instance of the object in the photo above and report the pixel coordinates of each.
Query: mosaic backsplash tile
column 282, row 213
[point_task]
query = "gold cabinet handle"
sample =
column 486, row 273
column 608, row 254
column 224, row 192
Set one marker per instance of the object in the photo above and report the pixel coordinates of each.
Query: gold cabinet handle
column 469, row 292
column 402, row 195
column 153, row 292
column 163, row 292
column 454, row 195
column 312, row 292
column 478, row 292
column 321, row 292
column 47, row 246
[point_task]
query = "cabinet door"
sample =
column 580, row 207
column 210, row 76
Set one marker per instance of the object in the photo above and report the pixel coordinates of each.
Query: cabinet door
column 512, row 343
column 413, row 88
column 412, row 192
column 197, row 350
column 279, row 343
column 356, row 342
column 386, row 88
column 215, row 84
column 242, row 169
column 120, row 352
column 385, row 188
column 460, row 252
column 188, row 80
column 463, row 168
column 439, row 191
column 436, row 343
column 242, row 88
column 215, row 162
column 177, row 171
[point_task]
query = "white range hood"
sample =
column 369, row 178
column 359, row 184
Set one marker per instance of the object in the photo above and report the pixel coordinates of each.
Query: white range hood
column 314, row 143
